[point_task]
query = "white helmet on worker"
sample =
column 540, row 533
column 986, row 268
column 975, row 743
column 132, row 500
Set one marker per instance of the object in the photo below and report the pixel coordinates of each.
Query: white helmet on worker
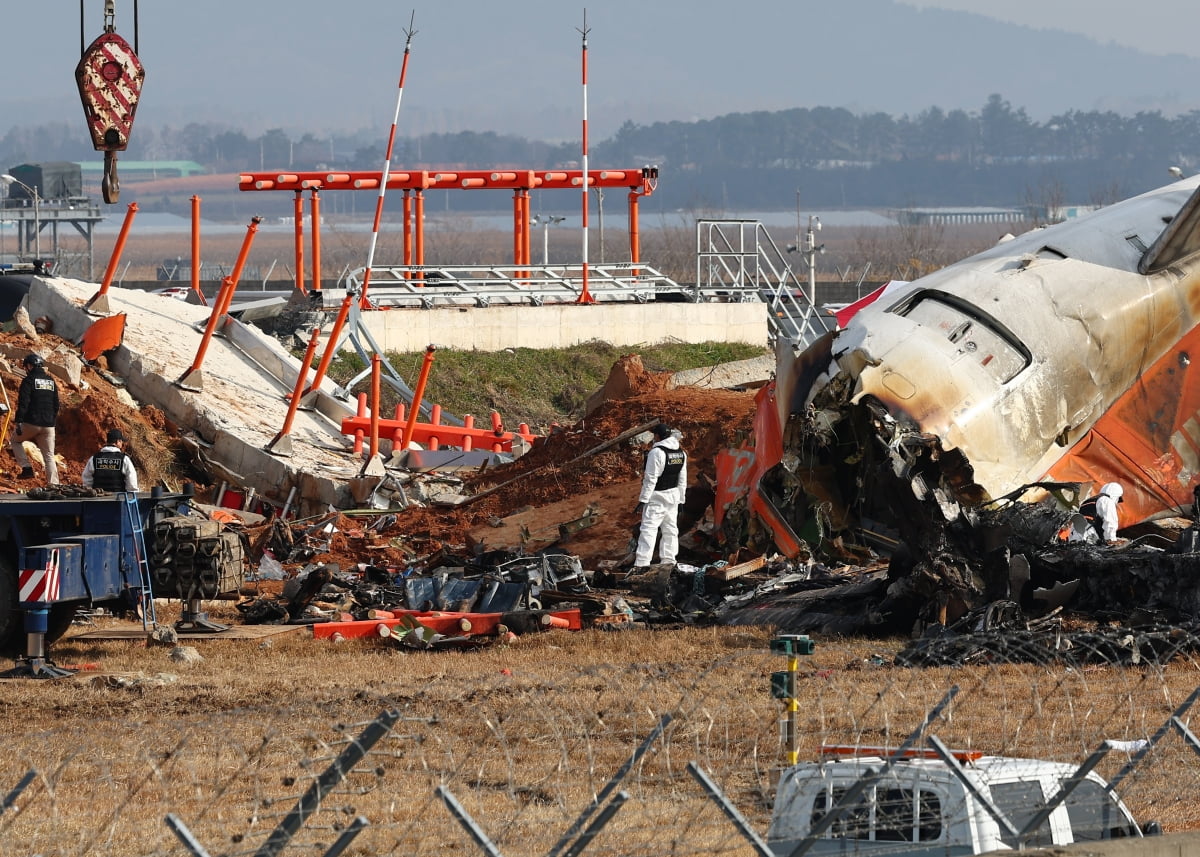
column 1114, row 490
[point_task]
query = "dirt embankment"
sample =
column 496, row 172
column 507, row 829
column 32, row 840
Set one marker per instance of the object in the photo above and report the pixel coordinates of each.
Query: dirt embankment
column 86, row 413
column 554, row 482
column 557, row 480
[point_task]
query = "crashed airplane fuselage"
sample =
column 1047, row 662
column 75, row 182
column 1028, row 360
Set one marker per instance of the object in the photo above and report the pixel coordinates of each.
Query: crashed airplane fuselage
column 1060, row 355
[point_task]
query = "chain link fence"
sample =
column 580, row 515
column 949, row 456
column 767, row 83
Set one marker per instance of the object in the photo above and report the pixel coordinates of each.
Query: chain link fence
column 577, row 746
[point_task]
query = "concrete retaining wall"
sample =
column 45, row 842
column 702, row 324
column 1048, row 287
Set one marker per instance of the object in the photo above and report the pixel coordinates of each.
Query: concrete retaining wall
column 558, row 326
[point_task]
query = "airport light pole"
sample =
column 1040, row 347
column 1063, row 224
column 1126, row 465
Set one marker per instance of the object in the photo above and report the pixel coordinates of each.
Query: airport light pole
column 37, row 221
column 547, row 220
column 811, row 249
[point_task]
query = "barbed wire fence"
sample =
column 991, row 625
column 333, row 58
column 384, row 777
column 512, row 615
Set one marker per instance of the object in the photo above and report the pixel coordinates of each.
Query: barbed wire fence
column 619, row 759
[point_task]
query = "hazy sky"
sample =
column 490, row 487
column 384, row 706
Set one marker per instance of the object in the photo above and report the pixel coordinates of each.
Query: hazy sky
column 514, row 66
column 1153, row 26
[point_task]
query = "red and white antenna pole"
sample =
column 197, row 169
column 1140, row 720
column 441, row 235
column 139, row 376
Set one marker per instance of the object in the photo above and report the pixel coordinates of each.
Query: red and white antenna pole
column 335, row 335
column 387, row 165
column 585, row 297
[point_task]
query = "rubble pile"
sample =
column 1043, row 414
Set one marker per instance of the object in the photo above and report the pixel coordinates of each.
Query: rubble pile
column 1000, row 633
column 551, row 529
column 92, row 401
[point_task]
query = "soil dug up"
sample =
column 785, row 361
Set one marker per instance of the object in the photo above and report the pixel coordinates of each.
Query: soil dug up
column 555, row 482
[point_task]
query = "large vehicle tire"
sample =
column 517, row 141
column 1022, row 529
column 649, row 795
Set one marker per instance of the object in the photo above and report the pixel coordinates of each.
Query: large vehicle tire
column 59, row 620
column 12, row 624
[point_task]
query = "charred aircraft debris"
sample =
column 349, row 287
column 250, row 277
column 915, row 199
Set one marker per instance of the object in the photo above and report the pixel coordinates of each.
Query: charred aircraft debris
column 959, row 426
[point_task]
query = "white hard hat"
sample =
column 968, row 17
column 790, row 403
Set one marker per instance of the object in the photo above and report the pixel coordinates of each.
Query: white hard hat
column 1113, row 489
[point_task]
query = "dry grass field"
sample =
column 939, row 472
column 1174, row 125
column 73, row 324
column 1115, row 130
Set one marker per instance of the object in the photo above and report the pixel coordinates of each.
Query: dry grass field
column 523, row 736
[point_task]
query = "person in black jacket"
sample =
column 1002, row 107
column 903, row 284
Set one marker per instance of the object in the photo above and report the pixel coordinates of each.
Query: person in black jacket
column 37, row 412
column 111, row 469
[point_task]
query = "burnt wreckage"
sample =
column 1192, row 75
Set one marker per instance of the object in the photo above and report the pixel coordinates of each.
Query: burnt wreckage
column 959, row 425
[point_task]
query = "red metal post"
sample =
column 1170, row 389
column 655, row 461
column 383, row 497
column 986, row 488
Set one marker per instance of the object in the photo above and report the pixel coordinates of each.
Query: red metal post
column 331, row 346
column 525, row 230
column 359, row 434
column 196, row 250
column 222, row 302
column 240, row 262
column 635, row 245
column 497, row 429
column 294, row 404
column 435, row 419
column 420, row 242
column 585, row 296
column 408, row 227
column 227, row 286
column 398, row 428
column 298, row 216
column 315, row 206
column 376, row 362
column 118, row 249
column 418, row 394
column 467, row 442
column 519, row 229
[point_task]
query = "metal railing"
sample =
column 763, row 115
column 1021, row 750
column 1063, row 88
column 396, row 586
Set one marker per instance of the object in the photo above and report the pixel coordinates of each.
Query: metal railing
column 485, row 285
column 739, row 256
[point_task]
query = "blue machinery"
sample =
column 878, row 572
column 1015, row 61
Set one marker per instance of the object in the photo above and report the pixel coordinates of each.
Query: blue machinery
column 58, row 555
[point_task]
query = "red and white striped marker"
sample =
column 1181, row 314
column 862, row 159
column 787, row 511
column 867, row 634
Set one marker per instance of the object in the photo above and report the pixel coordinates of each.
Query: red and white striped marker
column 39, row 584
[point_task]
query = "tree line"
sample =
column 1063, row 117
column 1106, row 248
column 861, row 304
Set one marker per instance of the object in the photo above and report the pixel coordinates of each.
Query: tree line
column 996, row 156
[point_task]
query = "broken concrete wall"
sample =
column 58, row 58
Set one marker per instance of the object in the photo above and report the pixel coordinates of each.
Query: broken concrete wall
column 560, row 325
column 753, row 372
column 241, row 406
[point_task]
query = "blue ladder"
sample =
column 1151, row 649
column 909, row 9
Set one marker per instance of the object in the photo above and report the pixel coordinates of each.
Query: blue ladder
column 133, row 523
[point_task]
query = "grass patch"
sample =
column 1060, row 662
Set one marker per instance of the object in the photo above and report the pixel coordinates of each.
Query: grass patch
column 534, row 386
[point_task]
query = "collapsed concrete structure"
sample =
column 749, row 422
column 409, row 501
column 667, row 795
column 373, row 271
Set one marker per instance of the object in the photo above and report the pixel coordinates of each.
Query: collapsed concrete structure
column 241, row 404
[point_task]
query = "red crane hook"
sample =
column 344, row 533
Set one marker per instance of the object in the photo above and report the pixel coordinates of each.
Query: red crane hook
column 109, row 76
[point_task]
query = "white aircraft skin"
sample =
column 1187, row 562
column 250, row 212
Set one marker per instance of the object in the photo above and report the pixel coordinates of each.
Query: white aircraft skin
column 1009, row 357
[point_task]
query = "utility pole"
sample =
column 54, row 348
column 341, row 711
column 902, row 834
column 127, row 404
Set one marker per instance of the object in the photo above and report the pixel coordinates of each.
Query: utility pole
column 811, row 249
column 547, row 220
column 37, row 220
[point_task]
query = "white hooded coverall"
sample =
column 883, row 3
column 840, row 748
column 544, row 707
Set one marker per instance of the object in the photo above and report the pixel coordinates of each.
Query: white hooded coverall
column 1106, row 510
column 661, row 503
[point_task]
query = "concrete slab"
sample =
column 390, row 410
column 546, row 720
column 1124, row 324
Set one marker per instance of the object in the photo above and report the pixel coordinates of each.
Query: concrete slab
column 241, row 406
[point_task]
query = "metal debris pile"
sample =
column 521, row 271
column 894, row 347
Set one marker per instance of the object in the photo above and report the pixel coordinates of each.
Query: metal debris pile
column 1000, row 633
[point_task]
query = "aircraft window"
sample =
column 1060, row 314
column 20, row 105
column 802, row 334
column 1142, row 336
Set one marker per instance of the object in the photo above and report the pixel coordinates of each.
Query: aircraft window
column 977, row 337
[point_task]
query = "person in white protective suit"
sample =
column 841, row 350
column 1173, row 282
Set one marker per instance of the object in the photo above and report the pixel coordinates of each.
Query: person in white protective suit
column 1106, row 510
column 664, row 484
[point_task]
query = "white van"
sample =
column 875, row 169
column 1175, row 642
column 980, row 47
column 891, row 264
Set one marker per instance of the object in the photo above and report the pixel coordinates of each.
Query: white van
column 922, row 807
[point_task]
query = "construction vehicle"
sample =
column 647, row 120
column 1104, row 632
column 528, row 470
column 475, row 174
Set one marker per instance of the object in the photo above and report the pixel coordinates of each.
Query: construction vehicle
column 918, row 803
column 64, row 550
